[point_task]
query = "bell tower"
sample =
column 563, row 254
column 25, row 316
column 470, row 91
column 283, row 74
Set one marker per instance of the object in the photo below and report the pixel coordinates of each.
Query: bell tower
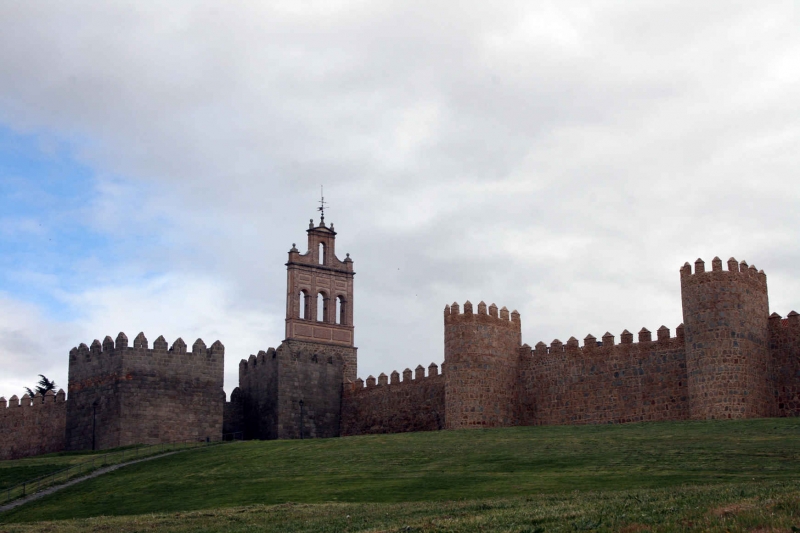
column 319, row 297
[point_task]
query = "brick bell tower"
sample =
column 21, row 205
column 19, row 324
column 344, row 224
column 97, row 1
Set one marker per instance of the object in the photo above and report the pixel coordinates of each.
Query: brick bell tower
column 319, row 297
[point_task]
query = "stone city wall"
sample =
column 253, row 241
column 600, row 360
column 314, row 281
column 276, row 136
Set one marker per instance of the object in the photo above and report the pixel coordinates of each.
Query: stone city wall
column 233, row 414
column 728, row 363
column 94, row 406
column 605, row 382
column 311, row 373
column 481, row 351
column 32, row 426
column 273, row 383
column 394, row 406
column 784, row 335
column 257, row 396
column 122, row 395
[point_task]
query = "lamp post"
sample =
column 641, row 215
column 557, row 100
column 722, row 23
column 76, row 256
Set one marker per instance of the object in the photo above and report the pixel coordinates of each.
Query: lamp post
column 302, row 429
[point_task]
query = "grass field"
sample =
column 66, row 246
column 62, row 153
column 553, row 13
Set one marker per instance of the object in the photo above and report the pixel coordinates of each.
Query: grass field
column 19, row 470
column 675, row 475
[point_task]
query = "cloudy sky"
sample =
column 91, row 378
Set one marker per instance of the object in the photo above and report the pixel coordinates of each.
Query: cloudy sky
column 158, row 160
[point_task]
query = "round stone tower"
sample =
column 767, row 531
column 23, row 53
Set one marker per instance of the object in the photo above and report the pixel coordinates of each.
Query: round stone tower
column 725, row 313
column 481, row 353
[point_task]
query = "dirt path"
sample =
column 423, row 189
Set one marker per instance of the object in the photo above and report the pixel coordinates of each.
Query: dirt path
column 98, row 472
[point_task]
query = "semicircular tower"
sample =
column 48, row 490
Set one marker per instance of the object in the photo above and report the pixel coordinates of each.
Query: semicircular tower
column 725, row 314
column 481, row 355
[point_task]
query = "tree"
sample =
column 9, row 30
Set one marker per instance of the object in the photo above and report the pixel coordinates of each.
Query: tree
column 42, row 388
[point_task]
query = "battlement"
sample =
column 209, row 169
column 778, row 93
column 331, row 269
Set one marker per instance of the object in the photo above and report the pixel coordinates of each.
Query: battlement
column 255, row 361
column 384, row 380
column 32, row 425
column 701, row 275
column 485, row 315
column 591, row 345
column 49, row 398
column 109, row 347
column 390, row 404
column 113, row 384
column 792, row 320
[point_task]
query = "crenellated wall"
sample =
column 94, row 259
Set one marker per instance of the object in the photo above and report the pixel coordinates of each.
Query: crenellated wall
column 728, row 359
column 274, row 383
column 481, row 351
column 121, row 395
column 32, row 426
column 233, row 413
column 605, row 382
column 727, row 340
column 395, row 406
column 258, row 395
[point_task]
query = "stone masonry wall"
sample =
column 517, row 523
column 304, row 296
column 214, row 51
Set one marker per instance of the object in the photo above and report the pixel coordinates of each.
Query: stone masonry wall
column 481, row 353
column 258, row 392
column 172, row 395
column 311, row 372
column 93, row 395
column 32, row 426
column 143, row 395
column 395, row 406
column 727, row 341
column 611, row 383
column 273, row 383
column 784, row 335
column 233, row 414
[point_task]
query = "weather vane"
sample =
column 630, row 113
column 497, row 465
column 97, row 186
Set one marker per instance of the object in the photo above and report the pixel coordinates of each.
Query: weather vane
column 321, row 207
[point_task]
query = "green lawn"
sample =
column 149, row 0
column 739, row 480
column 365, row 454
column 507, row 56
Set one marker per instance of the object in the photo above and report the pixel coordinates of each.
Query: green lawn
column 770, row 507
column 522, row 470
column 19, row 470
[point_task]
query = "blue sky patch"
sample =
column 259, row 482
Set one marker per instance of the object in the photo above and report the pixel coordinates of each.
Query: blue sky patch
column 46, row 239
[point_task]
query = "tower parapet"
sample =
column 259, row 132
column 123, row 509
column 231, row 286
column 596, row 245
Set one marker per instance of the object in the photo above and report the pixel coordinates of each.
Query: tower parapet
column 121, row 395
column 481, row 352
column 725, row 313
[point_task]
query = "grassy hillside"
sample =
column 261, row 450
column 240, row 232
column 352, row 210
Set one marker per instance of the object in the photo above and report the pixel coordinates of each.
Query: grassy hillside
column 19, row 470
column 722, row 508
column 542, row 463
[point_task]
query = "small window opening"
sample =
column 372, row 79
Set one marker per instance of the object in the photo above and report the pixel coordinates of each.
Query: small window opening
column 322, row 307
column 321, row 253
column 303, row 305
column 341, row 310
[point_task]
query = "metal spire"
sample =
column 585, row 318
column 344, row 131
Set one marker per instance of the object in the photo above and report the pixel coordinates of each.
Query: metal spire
column 321, row 207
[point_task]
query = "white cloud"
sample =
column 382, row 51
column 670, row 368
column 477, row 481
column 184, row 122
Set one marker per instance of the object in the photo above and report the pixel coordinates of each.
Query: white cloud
column 556, row 158
column 29, row 344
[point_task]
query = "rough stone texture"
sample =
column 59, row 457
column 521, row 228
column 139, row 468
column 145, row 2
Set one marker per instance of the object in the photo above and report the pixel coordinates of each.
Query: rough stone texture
column 313, row 373
column 141, row 395
column 785, row 348
column 481, row 354
column 401, row 406
column 32, row 426
column 611, row 383
column 273, row 383
column 727, row 341
column 258, row 391
column 233, row 414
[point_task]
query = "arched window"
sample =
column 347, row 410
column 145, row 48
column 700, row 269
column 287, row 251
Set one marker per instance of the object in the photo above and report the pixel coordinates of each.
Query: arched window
column 322, row 307
column 303, row 305
column 341, row 310
column 321, row 253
